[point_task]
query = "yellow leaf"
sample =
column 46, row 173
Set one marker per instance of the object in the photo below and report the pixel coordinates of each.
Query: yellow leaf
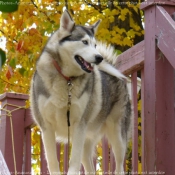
column 127, row 41
column 139, row 106
column 131, row 33
column 115, row 12
column 139, row 168
column 27, row 104
column 122, row 17
column 111, row 19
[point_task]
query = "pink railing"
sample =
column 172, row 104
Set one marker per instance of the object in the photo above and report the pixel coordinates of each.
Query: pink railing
column 154, row 58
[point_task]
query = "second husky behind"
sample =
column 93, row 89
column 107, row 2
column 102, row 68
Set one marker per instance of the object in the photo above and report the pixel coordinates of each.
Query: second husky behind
column 100, row 103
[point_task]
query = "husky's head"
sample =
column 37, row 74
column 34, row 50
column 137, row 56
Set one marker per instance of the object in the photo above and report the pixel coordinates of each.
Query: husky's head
column 76, row 46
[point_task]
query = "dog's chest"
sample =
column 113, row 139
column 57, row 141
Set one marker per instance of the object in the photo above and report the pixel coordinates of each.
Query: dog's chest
column 56, row 115
column 54, row 109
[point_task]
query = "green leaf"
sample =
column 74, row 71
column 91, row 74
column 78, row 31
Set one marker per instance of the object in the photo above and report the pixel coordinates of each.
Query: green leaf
column 13, row 63
column 118, row 52
column 22, row 71
column 2, row 58
column 9, row 5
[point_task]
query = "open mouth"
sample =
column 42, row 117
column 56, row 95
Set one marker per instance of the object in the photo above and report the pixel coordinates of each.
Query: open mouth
column 84, row 64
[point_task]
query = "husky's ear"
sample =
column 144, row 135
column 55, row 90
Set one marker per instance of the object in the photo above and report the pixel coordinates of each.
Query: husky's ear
column 66, row 22
column 95, row 26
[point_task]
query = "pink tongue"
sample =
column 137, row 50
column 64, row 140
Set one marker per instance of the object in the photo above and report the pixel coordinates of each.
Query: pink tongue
column 88, row 66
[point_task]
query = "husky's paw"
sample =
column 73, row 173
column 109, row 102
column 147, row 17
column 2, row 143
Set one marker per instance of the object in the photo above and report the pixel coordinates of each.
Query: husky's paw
column 55, row 173
column 73, row 172
column 119, row 173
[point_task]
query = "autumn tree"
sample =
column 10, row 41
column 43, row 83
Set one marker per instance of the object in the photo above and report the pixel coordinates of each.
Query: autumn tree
column 26, row 31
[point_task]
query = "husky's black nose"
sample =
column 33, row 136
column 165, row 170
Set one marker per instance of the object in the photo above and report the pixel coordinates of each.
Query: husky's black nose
column 98, row 59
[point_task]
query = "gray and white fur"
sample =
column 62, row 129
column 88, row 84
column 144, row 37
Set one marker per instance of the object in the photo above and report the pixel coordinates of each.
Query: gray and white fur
column 100, row 103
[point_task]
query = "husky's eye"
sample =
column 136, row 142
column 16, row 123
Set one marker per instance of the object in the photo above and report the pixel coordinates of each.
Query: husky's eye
column 85, row 42
column 95, row 45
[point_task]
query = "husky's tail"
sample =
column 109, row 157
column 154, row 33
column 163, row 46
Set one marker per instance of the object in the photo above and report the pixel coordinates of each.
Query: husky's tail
column 107, row 65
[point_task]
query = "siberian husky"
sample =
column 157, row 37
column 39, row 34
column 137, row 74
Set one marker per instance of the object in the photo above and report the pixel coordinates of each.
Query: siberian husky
column 98, row 101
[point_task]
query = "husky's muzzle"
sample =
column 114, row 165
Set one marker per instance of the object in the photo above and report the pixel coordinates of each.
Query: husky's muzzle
column 88, row 67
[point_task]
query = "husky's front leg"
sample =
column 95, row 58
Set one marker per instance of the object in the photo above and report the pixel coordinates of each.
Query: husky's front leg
column 49, row 142
column 87, row 159
column 77, row 148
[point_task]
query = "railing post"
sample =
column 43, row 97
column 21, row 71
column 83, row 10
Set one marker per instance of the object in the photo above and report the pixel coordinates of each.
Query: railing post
column 11, row 101
column 135, row 123
column 27, row 151
column 158, row 143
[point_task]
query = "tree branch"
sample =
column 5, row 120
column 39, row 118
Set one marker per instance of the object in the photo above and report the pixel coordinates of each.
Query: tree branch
column 51, row 21
column 12, row 84
column 8, row 36
column 34, row 4
column 66, row 2
column 96, row 7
